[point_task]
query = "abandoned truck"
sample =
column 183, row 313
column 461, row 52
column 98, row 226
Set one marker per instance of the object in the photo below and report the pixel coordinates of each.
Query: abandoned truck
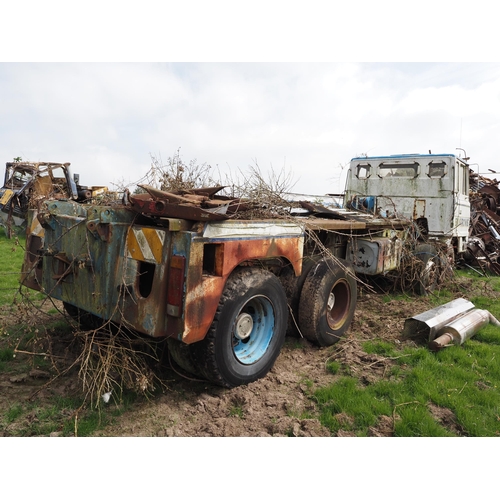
column 23, row 180
column 195, row 268
column 430, row 190
column 28, row 183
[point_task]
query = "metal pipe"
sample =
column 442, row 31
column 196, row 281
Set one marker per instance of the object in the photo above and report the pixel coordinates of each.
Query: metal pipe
column 462, row 328
column 429, row 324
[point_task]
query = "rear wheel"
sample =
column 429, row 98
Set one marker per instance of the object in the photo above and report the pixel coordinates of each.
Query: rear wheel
column 182, row 356
column 327, row 302
column 293, row 287
column 248, row 330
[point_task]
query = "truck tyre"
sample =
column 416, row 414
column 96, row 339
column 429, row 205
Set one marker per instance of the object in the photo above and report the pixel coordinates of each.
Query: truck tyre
column 428, row 275
column 293, row 287
column 248, row 330
column 182, row 356
column 327, row 301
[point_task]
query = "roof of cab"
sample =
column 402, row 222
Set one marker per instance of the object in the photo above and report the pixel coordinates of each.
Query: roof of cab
column 401, row 156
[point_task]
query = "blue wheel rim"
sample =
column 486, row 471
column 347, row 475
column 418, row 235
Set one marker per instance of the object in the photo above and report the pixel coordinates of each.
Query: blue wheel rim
column 252, row 348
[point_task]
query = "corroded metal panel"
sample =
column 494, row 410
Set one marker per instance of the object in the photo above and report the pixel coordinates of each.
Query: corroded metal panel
column 203, row 292
column 31, row 272
column 248, row 229
column 147, row 278
column 374, row 256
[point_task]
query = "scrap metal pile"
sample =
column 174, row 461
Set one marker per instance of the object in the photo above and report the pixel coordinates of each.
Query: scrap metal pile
column 484, row 234
column 194, row 204
column 202, row 204
column 28, row 184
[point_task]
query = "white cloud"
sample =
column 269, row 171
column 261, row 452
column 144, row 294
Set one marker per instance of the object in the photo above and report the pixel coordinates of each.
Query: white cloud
column 107, row 118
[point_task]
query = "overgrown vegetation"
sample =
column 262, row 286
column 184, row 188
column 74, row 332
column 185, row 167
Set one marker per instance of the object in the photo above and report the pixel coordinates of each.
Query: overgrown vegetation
column 175, row 174
column 454, row 392
column 11, row 258
column 38, row 343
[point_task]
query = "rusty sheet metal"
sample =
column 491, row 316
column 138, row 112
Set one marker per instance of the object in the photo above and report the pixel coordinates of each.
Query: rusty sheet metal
column 31, row 271
column 28, row 184
column 203, row 292
column 203, row 288
column 144, row 204
column 83, row 257
column 374, row 256
column 484, row 238
column 251, row 229
column 197, row 205
column 123, row 273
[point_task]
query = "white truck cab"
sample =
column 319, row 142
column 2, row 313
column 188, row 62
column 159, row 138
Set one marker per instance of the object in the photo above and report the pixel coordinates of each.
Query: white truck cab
column 431, row 189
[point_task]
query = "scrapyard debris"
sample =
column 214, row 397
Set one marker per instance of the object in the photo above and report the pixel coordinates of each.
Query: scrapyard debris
column 203, row 204
column 484, row 233
column 453, row 322
column 384, row 247
column 27, row 184
column 194, row 204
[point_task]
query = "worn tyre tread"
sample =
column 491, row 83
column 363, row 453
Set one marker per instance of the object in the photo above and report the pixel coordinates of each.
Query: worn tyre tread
column 314, row 298
column 181, row 354
column 293, row 288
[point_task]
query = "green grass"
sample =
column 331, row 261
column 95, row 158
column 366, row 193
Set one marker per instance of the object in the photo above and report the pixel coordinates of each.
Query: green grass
column 13, row 413
column 11, row 259
column 333, row 367
column 463, row 380
column 236, row 410
column 6, row 354
column 66, row 416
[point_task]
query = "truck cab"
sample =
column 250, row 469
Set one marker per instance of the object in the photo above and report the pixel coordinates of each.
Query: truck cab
column 432, row 190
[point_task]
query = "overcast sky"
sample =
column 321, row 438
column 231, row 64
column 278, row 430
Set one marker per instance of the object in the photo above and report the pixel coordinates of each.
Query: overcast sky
column 310, row 118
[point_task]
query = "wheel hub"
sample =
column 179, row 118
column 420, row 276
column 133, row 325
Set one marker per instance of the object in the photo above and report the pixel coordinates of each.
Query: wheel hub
column 244, row 326
column 337, row 308
column 331, row 301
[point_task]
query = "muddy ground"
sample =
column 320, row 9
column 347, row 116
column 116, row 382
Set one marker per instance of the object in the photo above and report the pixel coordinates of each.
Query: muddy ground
column 277, row 405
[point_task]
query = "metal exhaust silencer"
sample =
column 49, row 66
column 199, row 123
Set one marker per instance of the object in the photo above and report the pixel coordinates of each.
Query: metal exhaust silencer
column 429, row 323
column 462, row 328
